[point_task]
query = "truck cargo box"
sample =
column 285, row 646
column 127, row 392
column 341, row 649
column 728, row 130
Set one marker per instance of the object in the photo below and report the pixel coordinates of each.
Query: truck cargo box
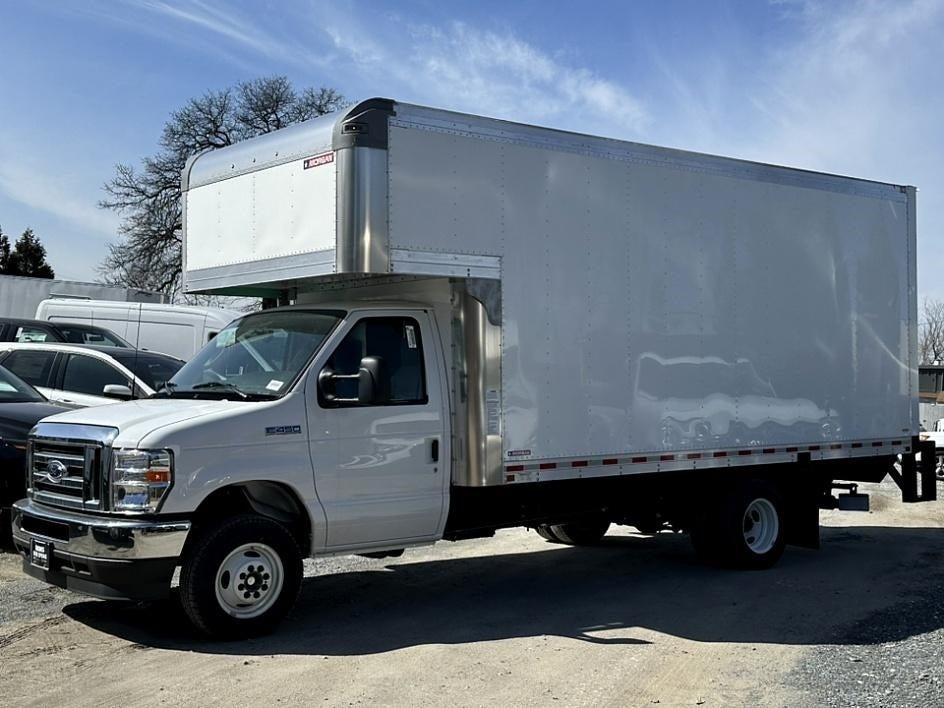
column 635, row 308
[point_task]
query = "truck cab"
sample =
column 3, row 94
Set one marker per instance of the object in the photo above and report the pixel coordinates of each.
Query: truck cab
column 334, row 418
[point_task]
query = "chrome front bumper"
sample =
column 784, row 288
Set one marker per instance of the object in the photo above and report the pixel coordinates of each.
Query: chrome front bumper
column 100, row 556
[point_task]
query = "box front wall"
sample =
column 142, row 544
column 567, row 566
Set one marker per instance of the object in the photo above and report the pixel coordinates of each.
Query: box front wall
column 650, row 307
column 275, row 213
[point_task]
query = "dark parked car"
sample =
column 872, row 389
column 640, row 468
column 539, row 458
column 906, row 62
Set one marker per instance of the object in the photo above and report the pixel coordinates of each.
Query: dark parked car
column 16, row 330
column 21, row 407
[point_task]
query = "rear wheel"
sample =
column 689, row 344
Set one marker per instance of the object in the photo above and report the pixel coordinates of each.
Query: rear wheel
column 241, row 577
column 743, row 528
column 545, row 532
column 584, row 533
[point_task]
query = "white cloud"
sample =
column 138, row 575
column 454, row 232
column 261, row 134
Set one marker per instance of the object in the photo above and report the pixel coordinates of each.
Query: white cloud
column 454, row 66
column 211, row 28
column 483, row 71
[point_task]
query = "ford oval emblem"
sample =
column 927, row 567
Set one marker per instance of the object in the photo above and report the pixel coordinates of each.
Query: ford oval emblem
column 55, row 471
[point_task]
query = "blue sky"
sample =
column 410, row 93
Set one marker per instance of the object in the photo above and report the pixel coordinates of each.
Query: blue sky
column 846, row 87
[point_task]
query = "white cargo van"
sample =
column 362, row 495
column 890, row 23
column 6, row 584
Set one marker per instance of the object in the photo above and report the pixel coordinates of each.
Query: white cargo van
column 178, row 330
column 495, row 325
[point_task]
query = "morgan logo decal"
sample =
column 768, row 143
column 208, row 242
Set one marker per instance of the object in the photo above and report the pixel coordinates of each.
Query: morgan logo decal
column 284, row 430
column 319, row 160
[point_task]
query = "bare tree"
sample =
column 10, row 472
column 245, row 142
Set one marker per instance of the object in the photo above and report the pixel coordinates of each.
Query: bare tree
column 147, row 254
column 931, row 331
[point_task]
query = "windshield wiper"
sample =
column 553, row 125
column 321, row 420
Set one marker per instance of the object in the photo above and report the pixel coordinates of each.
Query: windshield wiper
column 221, row 385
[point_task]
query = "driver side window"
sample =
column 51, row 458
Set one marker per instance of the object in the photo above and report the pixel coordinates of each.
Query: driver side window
column 86, row 375
column 396, row 342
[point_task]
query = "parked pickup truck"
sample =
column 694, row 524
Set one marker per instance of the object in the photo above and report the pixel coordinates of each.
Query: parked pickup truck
column 936, row 436
column 490, row 325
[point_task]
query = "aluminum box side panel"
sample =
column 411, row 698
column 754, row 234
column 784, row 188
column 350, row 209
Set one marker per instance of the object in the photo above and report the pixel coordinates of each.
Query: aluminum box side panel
column 664, row 305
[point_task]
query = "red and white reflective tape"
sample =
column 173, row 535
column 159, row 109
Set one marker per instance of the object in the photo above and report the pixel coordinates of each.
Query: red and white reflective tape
column 711, row 457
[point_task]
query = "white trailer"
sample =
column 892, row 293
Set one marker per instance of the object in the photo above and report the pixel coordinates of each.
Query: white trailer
column 493, row 325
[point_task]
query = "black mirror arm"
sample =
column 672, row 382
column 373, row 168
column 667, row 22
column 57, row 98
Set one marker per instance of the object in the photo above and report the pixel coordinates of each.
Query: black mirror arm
column 326, row 381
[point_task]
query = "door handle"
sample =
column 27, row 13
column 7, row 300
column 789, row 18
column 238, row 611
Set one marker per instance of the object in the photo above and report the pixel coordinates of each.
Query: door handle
column 434, row 449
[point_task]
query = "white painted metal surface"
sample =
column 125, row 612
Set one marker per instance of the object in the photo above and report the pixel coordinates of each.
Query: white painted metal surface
column 64, row 395
column 662, row 301
column 375, row 474
column 253, row 204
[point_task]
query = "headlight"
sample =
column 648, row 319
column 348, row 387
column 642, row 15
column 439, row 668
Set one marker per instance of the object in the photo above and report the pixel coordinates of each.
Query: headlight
column 140, row 479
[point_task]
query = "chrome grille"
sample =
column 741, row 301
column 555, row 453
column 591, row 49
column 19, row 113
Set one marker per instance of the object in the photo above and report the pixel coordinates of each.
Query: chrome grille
column 67, row 474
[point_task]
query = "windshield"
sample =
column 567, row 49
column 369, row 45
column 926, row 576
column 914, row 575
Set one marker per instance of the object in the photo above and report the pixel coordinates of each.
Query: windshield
column 13, row 390
column 258, row 356
column 78, row 334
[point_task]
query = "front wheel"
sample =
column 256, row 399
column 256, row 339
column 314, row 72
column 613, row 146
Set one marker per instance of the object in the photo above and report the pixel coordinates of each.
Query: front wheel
column 240, row 577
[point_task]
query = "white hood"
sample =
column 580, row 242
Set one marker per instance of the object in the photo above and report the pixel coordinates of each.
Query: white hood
column 135, row 419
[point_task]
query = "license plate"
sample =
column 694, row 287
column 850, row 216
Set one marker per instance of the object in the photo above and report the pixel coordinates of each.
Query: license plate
column 39, row 553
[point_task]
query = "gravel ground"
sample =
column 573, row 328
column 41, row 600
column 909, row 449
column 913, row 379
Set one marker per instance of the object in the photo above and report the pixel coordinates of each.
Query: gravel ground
column 866, row 665
column 514, row 620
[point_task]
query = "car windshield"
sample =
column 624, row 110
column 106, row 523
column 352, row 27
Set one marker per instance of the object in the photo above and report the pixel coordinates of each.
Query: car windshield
column 14, row 390
column 79, row 334
column 153, row 369
column 258, row 356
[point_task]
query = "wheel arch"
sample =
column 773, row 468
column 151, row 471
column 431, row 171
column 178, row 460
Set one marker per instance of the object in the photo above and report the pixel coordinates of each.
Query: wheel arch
column 273, row 500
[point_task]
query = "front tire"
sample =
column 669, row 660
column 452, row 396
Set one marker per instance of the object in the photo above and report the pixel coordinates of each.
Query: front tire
column 240, row 577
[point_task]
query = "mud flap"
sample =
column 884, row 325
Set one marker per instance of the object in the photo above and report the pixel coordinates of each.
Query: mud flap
column 801, row 515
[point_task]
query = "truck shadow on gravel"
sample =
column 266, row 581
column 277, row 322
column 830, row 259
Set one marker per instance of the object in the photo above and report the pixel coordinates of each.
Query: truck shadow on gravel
column 611, row 594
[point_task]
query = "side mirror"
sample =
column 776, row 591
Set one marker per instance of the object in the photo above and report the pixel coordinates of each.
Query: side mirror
column 119, row 391
column 370, row 381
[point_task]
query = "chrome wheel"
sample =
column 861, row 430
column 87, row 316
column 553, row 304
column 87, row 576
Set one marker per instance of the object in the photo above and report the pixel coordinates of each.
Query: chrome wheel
column 761, row 526
column 249, row 580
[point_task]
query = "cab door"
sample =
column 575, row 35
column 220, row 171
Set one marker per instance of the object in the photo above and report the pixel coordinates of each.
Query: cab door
column 380, row 467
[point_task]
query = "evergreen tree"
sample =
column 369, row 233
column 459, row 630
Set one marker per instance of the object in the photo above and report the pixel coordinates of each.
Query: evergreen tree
column 4, row 252
column 28, row 257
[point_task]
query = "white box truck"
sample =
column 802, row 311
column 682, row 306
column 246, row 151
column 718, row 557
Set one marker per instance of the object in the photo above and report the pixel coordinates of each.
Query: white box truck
column 493, row 325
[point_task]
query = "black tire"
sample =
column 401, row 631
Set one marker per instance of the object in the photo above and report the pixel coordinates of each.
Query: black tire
column 584, row 533
column 6, row 530
column 546, row 532
column 203, row 562
column 726, row 535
